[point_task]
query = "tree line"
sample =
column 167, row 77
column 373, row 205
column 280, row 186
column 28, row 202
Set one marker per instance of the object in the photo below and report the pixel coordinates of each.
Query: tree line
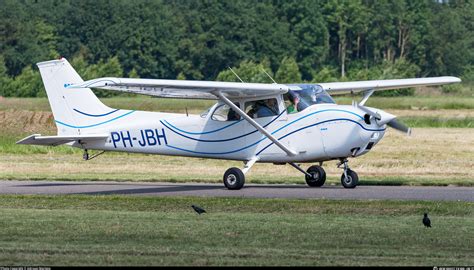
column 293, row 41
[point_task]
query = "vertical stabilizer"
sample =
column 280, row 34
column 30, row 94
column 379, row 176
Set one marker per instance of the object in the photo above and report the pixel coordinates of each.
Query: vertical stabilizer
column 73, row 109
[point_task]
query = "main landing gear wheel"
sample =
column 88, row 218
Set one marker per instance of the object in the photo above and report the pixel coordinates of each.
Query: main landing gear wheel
column 349, row 179
column 318, row 176
column 234, row 178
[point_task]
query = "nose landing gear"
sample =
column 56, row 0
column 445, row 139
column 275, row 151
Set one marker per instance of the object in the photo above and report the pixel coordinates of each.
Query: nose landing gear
column 349, row 178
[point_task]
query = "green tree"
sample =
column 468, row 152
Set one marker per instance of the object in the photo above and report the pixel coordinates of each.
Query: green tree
column 326, row 74
column 199, row 39
column 27, row 84
column 399, row 69
column 109, row 68
column 346, row 22
column 248, row 71
column 133, row 73
column 308, row 26
column 5, row 80
column 288, row 72
column 450, row 49
column 24, row 39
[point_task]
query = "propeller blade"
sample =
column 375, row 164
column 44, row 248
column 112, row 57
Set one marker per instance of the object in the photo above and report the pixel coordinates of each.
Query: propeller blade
column 399, row 126
column 383, row 118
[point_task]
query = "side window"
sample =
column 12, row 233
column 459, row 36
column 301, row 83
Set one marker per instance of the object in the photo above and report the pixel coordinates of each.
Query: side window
column 262, row 108
column 225, row 113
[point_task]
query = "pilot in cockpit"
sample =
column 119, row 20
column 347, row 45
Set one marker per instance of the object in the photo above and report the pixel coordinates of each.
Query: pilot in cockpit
column 232, row 115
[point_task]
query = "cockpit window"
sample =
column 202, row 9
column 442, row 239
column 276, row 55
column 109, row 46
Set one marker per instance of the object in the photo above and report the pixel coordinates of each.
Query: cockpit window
column 205, row 113
column 310, row 94
column 225, row 113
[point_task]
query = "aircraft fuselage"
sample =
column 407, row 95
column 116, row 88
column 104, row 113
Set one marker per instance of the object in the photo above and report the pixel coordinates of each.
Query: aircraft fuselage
column 320, row 132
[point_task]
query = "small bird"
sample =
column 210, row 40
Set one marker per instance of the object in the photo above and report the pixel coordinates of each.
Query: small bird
column 426, row 220
column 198, row 209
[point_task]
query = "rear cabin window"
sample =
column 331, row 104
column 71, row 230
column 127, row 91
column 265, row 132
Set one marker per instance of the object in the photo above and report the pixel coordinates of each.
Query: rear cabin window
column 262, row 108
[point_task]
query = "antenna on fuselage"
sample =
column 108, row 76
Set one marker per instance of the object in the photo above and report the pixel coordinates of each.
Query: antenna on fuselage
column 235, row 74
column 269, row 76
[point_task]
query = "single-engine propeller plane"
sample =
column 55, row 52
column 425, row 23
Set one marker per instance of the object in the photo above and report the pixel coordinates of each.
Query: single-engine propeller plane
column 250, row 122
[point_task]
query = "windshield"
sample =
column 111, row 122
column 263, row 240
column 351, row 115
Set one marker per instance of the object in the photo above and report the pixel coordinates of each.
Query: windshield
column 309, row 94
column 206, row 112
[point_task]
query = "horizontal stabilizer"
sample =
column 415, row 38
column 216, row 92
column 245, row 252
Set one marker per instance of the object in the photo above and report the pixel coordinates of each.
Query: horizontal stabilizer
column 37, row 139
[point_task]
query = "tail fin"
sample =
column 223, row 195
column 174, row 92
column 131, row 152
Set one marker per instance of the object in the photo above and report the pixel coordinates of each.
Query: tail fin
column 72, row 108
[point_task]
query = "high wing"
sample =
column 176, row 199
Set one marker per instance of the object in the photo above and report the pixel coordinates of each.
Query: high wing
column 209, row 89
column 185, row 88
column 37, row 139
column 378, row 85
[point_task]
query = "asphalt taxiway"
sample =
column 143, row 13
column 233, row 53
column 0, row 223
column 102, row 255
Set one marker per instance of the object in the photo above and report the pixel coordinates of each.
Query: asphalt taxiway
column 449, row 193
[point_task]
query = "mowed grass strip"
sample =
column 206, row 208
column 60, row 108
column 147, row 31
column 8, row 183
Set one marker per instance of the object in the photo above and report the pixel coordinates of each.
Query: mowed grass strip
column 438, row 122
column 121, row 230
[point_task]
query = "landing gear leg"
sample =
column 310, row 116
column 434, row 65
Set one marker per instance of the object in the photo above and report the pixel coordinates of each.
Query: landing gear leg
column 85, row 156
column 234, row 178
column 349, row 178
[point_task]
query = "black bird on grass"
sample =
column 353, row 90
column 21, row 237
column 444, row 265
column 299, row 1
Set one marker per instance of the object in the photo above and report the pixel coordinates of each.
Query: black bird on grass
column 198, row 209
column 426, row 220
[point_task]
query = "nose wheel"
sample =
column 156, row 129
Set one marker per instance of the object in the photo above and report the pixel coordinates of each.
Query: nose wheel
column 349, row 178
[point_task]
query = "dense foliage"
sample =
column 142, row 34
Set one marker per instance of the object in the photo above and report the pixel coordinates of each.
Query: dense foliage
column 303, row 40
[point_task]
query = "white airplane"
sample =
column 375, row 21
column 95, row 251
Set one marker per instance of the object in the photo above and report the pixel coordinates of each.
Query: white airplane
column 251, row 122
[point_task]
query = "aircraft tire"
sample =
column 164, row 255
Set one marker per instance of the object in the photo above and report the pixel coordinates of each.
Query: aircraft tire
column 319, row 176
column 351, row 181
column 234, row 179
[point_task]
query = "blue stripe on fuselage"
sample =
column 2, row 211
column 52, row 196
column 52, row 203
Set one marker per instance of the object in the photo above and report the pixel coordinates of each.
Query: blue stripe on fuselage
column 284, row 136
column 93, row 125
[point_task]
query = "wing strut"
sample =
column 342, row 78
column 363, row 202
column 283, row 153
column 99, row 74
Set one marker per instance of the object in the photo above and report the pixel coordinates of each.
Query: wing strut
column 367, row 94
column 255, row 124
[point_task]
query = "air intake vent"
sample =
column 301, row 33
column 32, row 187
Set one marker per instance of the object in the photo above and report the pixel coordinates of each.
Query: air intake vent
column 367, row 119
column 369, row 146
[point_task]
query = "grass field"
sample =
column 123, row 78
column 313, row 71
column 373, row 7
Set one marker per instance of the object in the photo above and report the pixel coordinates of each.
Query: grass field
column 123, row 230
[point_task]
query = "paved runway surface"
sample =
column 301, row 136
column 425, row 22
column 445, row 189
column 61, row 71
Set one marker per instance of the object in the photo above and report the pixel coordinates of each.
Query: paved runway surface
column 250, row 190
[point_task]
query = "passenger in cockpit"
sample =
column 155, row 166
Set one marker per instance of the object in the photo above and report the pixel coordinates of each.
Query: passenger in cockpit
column 293, row 108
column 232, row 115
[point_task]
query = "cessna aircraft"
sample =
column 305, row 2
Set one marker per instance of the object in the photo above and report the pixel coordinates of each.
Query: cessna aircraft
column 251, row 122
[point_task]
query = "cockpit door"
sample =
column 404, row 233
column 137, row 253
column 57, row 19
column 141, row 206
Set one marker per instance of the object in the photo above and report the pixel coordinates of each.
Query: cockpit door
column 271, row 114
